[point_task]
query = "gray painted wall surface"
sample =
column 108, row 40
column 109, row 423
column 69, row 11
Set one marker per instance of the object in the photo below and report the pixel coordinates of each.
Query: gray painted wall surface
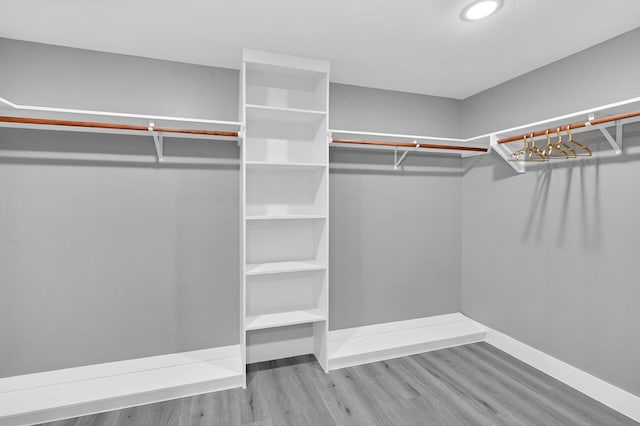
column 103, row 261
column 45, row 75
column 395, row 241
column 375, row 110
column 551, row 258
column 109, row 261
column 597, row 76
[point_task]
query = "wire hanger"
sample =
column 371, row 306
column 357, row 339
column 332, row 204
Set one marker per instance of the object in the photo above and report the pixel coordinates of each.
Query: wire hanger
column 534, row 150
column 550, row 148
column 527, row 152
column 572, row 153
column 587, row 153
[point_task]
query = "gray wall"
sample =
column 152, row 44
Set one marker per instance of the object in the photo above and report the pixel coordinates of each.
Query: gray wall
column 109, row 260
column 375, row 110
column 597, row 76
column 394, row 235
column 550, row 257
column 395, row 238
column 45, row 75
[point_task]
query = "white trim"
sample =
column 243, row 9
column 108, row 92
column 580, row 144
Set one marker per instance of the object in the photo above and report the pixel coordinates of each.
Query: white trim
column 362, row 345
column 72, row 392
column 606, row 393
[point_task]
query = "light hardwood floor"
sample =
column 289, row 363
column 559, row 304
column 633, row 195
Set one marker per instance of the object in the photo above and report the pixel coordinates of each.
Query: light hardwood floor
column 468, row 385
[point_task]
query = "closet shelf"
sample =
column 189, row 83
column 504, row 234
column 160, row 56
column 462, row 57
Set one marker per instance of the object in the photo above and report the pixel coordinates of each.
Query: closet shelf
column 268, row 165
column 283, row 267
column 283, row 115
column 403, row 144
column 558, row 137
column 288, row 217
column 283, row 319
column 53, row 118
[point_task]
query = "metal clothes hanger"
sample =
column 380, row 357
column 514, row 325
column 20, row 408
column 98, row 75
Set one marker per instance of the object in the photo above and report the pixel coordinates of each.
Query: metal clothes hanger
column 550, row 148
column 587, row 153
column 527, row 152
column 572, row 153
column 534, row 150
column 515, row 155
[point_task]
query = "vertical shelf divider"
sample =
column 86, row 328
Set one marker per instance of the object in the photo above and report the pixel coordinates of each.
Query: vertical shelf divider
column 284, row 182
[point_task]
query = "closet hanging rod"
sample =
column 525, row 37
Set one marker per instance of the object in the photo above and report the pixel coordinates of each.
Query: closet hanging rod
column 411, row 145
column 113, row 126
column 572, row 126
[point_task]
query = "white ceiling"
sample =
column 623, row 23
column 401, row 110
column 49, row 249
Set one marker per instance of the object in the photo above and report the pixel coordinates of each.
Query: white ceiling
column 407, row 45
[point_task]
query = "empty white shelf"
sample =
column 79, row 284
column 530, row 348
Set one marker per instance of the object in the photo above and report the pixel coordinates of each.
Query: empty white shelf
column 270, row 165
column 284, row 267
column 288, row 217
column 282, row 319
column 279, row 114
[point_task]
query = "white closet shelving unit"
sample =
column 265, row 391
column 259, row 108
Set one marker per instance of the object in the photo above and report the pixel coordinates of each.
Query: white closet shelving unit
column 284, row 199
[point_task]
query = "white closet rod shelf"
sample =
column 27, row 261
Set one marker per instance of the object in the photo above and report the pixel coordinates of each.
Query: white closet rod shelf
column 97, row 113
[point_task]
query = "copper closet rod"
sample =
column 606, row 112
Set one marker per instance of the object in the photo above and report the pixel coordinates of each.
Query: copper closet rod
column 411, row 145
column 96, row 125
column 572, row 126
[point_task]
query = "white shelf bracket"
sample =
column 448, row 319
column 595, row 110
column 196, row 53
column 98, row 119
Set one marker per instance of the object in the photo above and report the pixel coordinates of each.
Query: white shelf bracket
column 241, row 132
column 158, row 140
column 614, row 144
column 397, row 162
column 504, row 153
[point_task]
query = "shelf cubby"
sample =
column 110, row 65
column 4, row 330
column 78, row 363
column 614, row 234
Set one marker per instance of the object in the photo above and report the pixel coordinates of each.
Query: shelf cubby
column 276, row 295
column 286, row 142
column 277, row 86
column 283, row 191
column 285, row 240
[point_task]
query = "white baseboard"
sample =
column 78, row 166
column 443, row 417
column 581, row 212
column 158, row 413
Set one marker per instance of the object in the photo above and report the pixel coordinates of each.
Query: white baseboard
column 362, row 345
column 72, row 392
column 618, row 399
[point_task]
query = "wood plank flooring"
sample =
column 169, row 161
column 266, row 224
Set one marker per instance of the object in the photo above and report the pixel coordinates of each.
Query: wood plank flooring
column 468, row 385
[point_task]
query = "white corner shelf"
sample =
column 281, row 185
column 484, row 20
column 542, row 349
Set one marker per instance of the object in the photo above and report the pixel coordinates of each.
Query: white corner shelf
column 284, row 267
column 288, row 217
column 283, row 319
column 280, row 114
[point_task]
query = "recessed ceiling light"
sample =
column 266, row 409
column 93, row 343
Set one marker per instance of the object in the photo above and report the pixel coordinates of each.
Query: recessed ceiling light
column 480, row 9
